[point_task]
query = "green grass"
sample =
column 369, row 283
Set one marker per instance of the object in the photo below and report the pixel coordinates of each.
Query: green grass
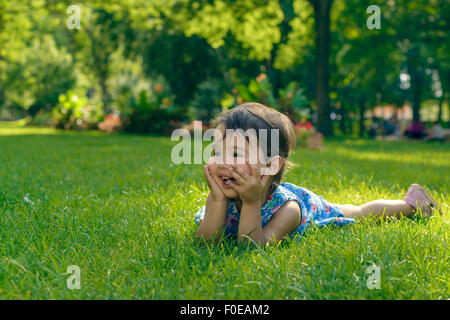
column 115, row 206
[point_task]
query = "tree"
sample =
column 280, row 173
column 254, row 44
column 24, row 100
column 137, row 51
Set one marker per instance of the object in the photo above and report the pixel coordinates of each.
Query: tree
column 322, row 27
column 34, row 67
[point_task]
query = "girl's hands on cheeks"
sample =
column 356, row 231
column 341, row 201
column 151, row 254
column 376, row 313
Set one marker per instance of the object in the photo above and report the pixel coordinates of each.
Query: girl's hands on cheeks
column 250, row 186
column 213, row 185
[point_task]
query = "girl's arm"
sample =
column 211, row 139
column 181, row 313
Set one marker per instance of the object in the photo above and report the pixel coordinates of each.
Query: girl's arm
column 250, row 189
column 286, row 219
column 250, row 223
column 213, row 224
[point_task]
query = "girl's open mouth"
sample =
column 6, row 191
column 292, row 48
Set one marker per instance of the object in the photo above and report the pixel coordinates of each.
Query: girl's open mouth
column 226, row 181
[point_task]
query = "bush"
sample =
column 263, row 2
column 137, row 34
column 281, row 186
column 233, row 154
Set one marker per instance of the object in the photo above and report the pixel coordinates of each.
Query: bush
column 110, row 123
column 291, row 101
column 74, row 112
column 154, row 112
column 307, row 136
column 258, row 90
column 207, row 100
column 41, row 119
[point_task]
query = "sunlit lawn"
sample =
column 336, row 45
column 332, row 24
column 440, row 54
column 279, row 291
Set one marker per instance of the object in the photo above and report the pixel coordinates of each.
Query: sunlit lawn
column 115, row 206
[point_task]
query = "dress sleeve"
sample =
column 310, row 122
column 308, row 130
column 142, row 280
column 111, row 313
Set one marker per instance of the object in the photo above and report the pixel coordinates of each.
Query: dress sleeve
column 200, row 215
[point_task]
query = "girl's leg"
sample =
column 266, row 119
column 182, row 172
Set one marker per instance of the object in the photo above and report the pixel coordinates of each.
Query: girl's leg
column 378, row 208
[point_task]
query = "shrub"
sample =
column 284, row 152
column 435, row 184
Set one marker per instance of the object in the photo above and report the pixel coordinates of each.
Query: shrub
column 110, row 123
column 307, row 136
column 74, row 112
column 258, row 90
column 291, row 101
column 207, row 100
column 154, row 112
column 41, row 119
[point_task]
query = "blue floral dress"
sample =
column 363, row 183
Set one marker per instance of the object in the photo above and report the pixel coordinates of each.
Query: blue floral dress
column 314, row 209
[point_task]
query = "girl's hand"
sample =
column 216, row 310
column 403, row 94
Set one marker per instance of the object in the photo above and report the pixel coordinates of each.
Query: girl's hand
column 251, row 186
column 216, row 193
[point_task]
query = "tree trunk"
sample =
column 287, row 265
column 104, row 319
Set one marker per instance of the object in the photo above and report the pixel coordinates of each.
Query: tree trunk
column 440, row 110
column 448, row 114
column 416, row 80
column 322, row 23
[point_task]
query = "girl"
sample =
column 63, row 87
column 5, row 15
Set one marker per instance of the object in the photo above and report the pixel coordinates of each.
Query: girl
column 247, row 199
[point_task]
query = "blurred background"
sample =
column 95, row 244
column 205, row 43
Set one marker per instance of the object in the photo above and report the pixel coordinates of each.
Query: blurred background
column 150, row 66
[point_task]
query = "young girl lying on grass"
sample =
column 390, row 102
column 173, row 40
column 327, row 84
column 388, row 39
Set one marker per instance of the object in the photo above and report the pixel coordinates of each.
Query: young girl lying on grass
column 247, row 199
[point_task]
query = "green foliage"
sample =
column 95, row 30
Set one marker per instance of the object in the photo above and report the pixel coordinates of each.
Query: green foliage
column 368, row 62
column 75, row 112
column 123, row 46
column 291, row 100
column 206, row 103
column 300, row 40
column 259, row 89
column 37, row 75
column 254, row 24
column 154, row 112
column 184, row 69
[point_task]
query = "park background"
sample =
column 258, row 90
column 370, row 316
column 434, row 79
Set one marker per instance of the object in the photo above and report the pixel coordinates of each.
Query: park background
column 86, row 113
column 152, row 66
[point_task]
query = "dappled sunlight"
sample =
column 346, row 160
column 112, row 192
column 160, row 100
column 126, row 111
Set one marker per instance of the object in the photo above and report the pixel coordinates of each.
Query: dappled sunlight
column 19, row 131
column 342, row 174
column 435, row 158
column 5, row 131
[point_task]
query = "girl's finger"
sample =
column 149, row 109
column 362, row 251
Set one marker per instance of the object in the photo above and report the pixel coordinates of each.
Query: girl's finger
column 236, row 175
column 241, row 172
column 253, row 167
column 207, row 175
column 235, row 187
column 210, row 178
column 205, row 172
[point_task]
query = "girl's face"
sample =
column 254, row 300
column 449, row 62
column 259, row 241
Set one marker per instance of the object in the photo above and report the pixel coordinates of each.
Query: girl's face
column 232, row 150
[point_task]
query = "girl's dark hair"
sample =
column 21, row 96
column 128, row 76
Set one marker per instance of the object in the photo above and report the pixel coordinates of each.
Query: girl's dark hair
column 256, row 116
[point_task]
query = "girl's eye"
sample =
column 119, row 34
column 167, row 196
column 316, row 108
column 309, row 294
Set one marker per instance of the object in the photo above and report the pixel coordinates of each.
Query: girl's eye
column 236, row 155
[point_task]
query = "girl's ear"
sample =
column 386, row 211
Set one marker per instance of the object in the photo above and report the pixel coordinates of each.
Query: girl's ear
column 273, row 166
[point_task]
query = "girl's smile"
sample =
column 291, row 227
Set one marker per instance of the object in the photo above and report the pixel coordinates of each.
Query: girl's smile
column 227, row 180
